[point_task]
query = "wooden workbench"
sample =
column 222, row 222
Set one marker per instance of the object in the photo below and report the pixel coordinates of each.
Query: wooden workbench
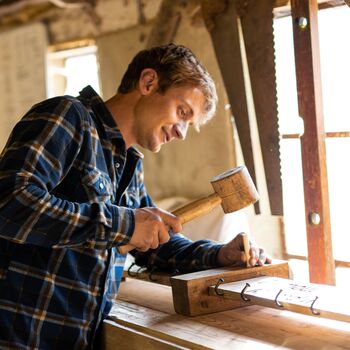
column 143, row 317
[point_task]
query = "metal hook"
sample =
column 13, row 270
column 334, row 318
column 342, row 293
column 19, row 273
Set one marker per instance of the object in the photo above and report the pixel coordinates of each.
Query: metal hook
column 220, row 280
column 276, row 301
column 243, row 297
column 175, row 272
column 129, row 271
column 312, row 308
column 139, row 271
column 150, row 276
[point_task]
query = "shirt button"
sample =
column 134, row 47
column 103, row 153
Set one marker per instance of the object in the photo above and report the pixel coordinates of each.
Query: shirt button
column 101, row 186
column 117, row 165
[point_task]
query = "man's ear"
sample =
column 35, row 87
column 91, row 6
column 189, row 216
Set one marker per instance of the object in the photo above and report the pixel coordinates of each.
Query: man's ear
column 148, row 81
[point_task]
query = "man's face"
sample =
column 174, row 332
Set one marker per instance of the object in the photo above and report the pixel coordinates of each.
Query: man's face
column 160, row 118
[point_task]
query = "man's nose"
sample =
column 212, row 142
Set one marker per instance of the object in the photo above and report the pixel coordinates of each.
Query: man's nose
column 180, row 130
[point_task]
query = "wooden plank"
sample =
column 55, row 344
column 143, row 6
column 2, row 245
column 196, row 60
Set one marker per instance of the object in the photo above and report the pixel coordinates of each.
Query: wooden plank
column 257, row 26
column 338, row 263
column 220, row 18
column 306, row 298
column 308, row 74
column 148, row 305
column 145, row 275
column 338, row 134
column 145, row 321
column 186, row 332
column 118, row 336
column 190, row 291
column 328, row 134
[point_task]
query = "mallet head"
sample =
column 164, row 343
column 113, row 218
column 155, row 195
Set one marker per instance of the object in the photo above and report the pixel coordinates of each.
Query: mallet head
column 235, row 188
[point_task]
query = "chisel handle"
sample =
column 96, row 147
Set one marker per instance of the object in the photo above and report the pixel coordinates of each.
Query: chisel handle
column 246, row 246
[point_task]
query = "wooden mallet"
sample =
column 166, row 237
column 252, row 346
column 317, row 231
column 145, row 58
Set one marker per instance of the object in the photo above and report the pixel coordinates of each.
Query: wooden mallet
column 234, row 190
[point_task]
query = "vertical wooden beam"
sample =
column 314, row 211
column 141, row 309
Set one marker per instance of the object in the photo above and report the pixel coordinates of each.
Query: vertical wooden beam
column 222, row 23
column 307, row 61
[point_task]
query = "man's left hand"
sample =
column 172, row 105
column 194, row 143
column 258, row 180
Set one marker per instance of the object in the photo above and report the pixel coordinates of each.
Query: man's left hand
column 232, row 254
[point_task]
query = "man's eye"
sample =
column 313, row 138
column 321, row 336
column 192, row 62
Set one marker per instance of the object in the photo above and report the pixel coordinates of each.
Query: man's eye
column 182, row 112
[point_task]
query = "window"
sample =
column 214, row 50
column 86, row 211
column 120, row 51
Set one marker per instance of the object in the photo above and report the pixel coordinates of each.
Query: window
column 335, row 70
column 71, row 70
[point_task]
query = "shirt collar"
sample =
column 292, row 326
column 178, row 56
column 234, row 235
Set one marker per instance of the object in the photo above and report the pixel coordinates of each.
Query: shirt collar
column 92, row 100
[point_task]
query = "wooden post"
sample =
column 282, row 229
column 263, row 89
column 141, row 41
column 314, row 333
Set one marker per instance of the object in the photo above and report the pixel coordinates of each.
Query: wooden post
column 221, row 20
column 307, row 62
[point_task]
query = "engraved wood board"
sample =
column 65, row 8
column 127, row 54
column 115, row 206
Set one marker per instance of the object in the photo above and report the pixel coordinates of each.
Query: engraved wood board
column 306, row 298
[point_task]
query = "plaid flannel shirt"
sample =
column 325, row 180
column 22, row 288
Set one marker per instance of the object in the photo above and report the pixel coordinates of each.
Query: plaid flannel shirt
column 68, row 187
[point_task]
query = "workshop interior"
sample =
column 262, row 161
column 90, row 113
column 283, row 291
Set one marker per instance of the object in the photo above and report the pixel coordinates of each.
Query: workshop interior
column 272, row 163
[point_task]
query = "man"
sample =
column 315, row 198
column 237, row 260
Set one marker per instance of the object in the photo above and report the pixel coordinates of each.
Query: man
column 72, row 192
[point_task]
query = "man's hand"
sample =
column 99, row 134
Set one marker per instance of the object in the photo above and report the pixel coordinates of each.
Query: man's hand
column 232, row 254
column 152, row 228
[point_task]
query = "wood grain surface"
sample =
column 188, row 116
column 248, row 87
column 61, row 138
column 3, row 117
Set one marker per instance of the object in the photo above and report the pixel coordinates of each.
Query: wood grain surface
column 148, row 309
column 313, row 148
column 306, row 298
column 190, row 291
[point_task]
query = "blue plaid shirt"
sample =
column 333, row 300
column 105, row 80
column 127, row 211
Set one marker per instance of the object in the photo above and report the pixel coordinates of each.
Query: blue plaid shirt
column 68, row 187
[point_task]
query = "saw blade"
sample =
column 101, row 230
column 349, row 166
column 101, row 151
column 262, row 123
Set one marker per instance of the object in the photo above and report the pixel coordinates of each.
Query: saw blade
column 257, row 26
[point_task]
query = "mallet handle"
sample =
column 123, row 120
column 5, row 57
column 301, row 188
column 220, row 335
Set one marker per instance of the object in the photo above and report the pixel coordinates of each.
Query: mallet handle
column 197, row 208
column 186, row 213
column 234, row 189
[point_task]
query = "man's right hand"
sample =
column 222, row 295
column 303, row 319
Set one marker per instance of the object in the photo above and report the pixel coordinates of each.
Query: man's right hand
column 152, row 227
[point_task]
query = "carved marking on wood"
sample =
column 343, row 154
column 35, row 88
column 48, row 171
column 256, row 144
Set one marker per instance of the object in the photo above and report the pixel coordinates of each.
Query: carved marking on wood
column 310, row 299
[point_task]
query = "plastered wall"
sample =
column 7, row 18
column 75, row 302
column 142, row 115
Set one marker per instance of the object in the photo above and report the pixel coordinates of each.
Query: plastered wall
column 21, row 84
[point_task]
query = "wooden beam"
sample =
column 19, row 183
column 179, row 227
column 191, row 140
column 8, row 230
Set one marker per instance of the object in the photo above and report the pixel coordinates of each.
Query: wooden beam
column 12, row 7
column 166, row 24
column 338, row 263
column 9, row 19
column 221, row 19
column 321, row 3
column 308, row 74
column 282, row 8
column 71, row 44
column 330, row 134
column 190, row 291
